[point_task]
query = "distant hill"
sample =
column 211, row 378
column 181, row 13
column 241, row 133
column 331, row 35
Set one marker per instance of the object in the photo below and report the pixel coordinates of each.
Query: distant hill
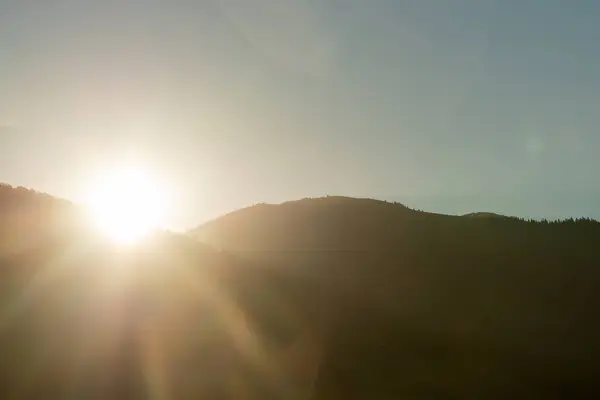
column 337, row 222
column 328, row 222
column 28, row 217
column 485, row 215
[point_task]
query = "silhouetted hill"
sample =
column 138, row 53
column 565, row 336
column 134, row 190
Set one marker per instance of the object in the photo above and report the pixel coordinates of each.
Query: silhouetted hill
column 330, row 298
column 28, row 217
column 485, row 215
column 340, row 223
column 419, row 305
column 332, row 222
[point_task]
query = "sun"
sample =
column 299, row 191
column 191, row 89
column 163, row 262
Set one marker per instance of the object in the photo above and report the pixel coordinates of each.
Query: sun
column 126, row 204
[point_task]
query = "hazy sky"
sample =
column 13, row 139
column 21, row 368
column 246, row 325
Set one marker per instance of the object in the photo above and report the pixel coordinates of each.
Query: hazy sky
column 447, row 105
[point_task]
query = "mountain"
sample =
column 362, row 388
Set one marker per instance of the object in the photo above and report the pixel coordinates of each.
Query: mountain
column 327, row 298
column 419, row 305
column 485, row 215
column 170, row 318
column 332, row 222
column 28, row 217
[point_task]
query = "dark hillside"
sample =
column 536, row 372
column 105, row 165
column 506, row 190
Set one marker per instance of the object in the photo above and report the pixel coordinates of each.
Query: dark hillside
column 332, row 298
column 329, row 223
column 424, row 305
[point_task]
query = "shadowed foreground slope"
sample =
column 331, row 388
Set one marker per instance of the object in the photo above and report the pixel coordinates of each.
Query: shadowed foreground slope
column 419, row 305
column 169, row 321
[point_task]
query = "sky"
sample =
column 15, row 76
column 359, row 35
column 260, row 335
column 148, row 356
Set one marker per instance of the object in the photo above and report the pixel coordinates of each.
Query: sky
column 450, row 106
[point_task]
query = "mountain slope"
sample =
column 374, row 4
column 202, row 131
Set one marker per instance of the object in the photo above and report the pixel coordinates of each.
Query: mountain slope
column 170, row 318
column 332, row 298
column 330, row 222
column 28, row 217
column 485, row 215
column 422, row 305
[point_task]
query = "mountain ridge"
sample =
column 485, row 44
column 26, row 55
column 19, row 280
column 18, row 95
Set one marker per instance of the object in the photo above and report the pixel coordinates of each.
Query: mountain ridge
column 403, row 289
column 313, row 299
column 309, row 216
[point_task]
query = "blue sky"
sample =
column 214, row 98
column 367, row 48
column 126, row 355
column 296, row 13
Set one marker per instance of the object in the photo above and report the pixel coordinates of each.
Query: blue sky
column 449, row 105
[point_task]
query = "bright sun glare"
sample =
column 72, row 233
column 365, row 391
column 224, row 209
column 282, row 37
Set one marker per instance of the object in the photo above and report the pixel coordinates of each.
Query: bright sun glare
column 126, row 204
